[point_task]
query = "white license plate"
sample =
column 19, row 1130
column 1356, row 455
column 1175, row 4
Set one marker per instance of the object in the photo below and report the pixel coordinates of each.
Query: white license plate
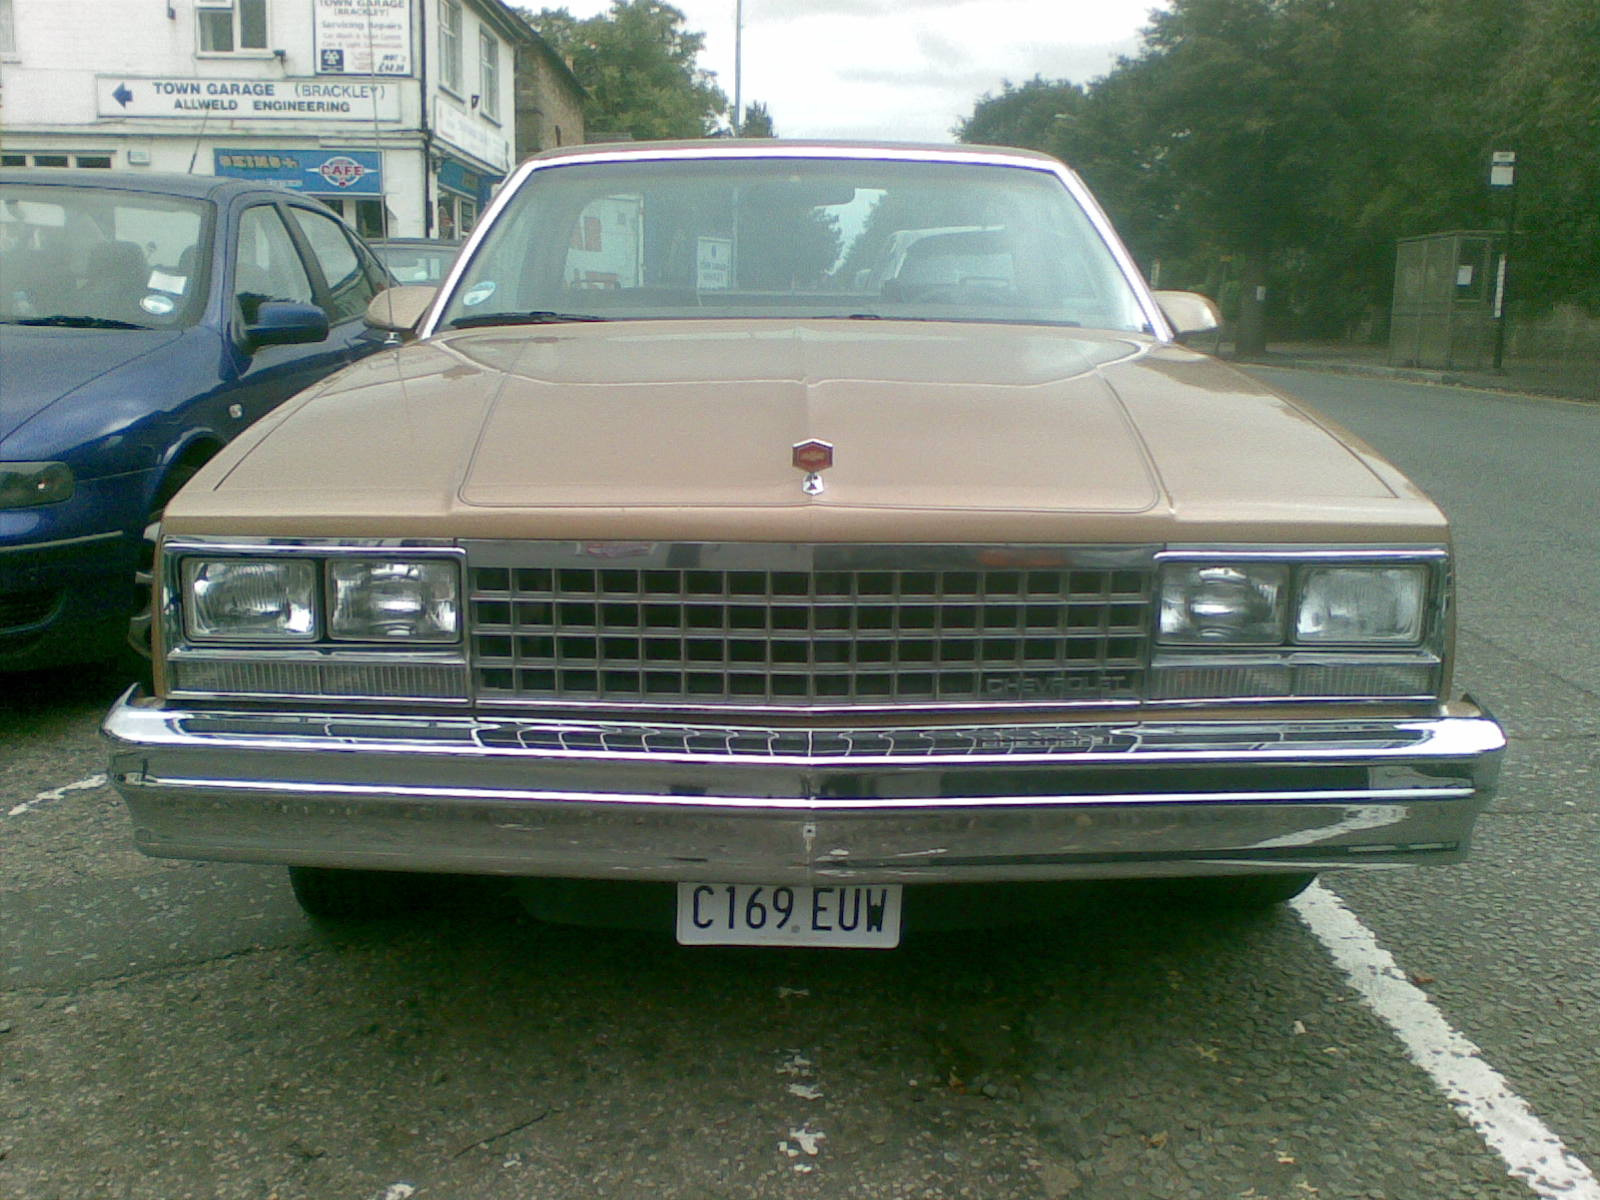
column 746, row 914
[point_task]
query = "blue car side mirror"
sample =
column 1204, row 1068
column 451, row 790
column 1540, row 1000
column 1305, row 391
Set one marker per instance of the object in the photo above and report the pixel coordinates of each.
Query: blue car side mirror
column 282, row 323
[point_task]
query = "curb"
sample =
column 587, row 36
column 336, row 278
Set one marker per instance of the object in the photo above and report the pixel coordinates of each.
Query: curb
column 1421, row 375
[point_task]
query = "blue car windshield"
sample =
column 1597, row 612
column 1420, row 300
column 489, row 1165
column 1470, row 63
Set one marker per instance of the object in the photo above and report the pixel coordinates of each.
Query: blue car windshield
column 684, row 238
column 101, row 257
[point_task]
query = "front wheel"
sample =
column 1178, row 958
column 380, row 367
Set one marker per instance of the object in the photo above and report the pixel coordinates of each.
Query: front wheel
column 333, row 894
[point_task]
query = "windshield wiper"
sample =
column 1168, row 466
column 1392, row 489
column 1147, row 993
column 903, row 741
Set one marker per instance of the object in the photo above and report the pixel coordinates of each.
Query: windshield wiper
column 65, row 322
column 537, row 317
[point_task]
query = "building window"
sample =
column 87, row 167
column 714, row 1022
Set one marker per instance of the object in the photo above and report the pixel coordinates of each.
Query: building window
column 450, row 45
column 55, row 158
column 229, row 25
column 8, row 29
column 489, row 74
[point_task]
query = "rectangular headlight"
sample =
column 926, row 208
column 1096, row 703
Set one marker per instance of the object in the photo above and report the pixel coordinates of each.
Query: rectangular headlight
column 380, row 600
column 250, row 599
column 1361, row 605
column 1223, row 604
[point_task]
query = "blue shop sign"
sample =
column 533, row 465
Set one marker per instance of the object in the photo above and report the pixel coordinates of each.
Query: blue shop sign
column 315, row 172
column 458, row 178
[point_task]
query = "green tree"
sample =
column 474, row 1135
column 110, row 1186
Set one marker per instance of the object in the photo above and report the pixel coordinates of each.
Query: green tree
column 757, row 122
column 639, row 63
column 1548, row 102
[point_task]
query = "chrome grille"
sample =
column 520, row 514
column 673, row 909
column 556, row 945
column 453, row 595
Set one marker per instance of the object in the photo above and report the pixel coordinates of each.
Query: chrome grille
column 818, row 629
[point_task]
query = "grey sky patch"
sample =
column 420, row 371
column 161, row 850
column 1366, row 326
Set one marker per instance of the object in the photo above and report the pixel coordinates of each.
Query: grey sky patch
column 1079, row 63
column 973, row 79
column 905, row 70
column 942, row 51
column 800, row 10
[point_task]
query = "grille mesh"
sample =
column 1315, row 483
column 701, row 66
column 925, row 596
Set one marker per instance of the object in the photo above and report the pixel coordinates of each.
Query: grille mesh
column 786, row 637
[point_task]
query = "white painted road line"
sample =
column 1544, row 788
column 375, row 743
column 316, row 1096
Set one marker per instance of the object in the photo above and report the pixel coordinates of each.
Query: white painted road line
column 82, row 785
column 1503, row 1119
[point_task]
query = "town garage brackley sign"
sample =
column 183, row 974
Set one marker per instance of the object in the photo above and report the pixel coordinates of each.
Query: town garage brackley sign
column 247, row 99
column 363, row 37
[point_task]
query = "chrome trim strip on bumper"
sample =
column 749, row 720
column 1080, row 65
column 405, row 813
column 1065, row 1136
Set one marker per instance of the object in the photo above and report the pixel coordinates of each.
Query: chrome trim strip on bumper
column 692, row 802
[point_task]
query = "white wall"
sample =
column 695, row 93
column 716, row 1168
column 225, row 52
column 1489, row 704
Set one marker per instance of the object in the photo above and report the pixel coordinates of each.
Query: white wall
column 48, row 90
column 453, row 117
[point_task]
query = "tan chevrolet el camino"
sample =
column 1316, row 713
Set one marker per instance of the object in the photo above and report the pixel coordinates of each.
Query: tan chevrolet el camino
column 800, row 527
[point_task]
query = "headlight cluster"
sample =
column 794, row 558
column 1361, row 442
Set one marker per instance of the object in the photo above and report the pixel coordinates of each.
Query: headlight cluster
column 290, row 600
column 1264, row 604
column 26, row 484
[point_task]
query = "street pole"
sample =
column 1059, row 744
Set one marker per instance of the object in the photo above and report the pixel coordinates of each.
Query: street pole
column 1503, row 176
column 738, row 67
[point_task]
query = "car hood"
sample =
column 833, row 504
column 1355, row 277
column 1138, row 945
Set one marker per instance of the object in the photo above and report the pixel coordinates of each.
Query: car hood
column 686, row 429
column 39, row 365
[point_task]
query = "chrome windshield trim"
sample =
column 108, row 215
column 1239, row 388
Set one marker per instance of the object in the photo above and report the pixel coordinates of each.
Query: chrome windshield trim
column 1158, row 325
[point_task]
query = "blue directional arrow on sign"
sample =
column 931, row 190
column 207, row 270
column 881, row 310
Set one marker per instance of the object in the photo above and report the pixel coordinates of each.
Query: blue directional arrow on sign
column 122, row 95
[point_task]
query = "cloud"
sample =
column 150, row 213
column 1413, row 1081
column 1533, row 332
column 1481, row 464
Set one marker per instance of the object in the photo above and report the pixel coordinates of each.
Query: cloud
column 800, row 10
column 920, row 76
column 1079, row 63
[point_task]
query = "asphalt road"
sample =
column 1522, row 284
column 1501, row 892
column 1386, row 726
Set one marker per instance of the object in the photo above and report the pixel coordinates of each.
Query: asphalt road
column 177, row 1030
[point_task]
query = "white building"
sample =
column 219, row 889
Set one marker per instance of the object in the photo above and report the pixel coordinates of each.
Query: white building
column 408, row 105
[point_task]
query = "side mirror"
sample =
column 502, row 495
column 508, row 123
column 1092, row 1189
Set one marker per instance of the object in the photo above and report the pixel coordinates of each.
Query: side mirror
column 398, row 309
column 282, row 323
column 1189, row 312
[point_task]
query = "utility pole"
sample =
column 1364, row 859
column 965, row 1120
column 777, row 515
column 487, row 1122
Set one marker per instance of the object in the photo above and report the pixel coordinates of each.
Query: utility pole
column 738, row 67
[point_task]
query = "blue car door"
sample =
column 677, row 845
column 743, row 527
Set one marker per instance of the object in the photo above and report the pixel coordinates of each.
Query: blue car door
column 266, row 264
column 348, row 276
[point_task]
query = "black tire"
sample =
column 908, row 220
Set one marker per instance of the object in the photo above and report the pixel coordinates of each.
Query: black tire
column 332, row 894
column 1245, row 891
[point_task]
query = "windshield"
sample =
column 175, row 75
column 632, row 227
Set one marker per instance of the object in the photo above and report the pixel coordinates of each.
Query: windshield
column 787, row 237
column 101, row 258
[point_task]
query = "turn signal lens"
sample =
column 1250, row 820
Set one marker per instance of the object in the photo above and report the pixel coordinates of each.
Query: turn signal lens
column 26, row 484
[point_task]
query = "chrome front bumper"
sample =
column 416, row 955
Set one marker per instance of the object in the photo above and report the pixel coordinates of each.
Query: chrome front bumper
column 624, row 800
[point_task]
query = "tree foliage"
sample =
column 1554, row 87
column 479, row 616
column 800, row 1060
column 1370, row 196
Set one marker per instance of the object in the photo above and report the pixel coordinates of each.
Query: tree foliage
column 757, row 122
column 639, row 63
column 1293, row 141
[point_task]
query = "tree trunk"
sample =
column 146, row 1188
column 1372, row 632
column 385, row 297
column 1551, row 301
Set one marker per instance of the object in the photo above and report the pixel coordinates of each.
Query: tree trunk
column 1251, row 339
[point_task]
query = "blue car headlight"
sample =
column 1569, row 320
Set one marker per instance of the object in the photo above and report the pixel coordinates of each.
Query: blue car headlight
column 27, row 484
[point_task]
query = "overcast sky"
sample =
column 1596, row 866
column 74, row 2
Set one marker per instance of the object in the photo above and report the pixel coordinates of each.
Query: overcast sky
column 901, row 69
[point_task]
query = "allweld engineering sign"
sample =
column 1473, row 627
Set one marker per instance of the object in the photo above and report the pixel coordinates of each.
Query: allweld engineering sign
column 246, row 99
column 315, row 172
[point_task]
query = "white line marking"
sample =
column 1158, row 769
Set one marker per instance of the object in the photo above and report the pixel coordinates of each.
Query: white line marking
column 1503, row 1120
column 82, row 785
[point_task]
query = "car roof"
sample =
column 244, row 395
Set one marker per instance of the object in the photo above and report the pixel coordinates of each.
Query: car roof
column 780, row 147
column 204, row 187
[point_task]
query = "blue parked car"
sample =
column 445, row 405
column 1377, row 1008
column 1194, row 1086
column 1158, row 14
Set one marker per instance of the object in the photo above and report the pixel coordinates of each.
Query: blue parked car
column 144, row 321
